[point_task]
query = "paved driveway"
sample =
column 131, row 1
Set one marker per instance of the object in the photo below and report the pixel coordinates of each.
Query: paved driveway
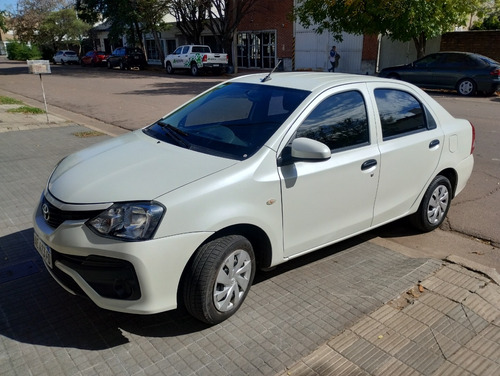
column 287, row 315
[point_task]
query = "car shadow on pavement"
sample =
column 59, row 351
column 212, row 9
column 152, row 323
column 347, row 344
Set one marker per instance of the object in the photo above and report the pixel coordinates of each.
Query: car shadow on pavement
column 34, row 309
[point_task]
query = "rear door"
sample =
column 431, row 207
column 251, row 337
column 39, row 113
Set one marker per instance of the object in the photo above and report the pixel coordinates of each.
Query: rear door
column 324, row 201
column 410, row 146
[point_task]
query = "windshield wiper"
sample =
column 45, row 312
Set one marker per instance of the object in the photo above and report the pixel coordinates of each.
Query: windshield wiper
column 175, row 133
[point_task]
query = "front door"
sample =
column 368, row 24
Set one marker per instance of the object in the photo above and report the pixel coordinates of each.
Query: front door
column 325, row 201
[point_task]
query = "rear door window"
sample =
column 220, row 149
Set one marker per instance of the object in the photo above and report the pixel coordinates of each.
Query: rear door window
column 401, row 113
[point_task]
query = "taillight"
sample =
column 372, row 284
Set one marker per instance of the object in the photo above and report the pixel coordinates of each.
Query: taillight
column 495, row 72
column 205, row 58
column 473, row 143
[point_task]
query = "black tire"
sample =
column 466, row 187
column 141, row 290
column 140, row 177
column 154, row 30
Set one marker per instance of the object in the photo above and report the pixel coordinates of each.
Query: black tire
column 169, row 68
column 434, row 206
column 194, row 69
column 394, row 76
column 218, row 278
column 109, row 65
column 122, row 65
column 466, row 87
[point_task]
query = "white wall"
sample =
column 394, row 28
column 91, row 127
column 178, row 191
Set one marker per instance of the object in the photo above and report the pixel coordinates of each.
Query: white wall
column 399, row 53
column 312, row 51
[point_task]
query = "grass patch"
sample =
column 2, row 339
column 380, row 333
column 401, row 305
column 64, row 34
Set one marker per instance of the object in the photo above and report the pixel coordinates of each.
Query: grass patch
column 88, row 134
column 9, row 100
column 26, row 110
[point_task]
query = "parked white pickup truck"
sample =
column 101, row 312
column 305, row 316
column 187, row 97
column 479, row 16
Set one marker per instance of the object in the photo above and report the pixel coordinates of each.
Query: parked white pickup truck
column 195, row 58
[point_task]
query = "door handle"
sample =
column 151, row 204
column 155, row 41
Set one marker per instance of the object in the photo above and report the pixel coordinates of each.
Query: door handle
column 370, row 163
column 433, row 144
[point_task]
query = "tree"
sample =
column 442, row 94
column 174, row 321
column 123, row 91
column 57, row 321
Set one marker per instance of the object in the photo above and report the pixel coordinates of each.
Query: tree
column 224, row 17
column 191, row 17
column 490, row 17
column 3, row 21
column 131, row 18
column 151, row 14
column 401, row 20
column 62, row 28
column 30, row 14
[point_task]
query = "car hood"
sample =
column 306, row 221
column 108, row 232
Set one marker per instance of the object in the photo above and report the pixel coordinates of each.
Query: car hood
column 129, row 168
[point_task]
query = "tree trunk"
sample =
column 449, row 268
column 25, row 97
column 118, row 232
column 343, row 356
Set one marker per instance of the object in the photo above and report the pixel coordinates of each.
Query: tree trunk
column 420, row 44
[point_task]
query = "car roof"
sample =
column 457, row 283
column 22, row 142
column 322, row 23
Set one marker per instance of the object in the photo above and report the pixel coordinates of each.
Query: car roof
column 311, row 81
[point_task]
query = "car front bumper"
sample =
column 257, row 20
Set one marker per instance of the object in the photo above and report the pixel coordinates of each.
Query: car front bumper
column 132, row 277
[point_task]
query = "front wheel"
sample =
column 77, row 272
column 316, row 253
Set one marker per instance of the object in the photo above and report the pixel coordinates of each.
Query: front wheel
column 466, row 87
column 434, row 206
column 109, row 65
column 169, row 68
column 218, row 279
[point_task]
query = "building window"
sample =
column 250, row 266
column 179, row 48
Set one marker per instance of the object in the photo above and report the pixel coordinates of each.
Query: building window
column 151, row 49
column 257, row 49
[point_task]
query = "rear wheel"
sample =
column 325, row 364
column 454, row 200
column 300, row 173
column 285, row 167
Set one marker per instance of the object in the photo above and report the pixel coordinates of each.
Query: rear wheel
column 194, row 69
column 466, row 87
column 434, row 206
column 218, row 278
column 109, row 65
column 122, row 66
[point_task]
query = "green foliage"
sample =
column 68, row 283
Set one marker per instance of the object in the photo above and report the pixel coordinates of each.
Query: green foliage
column 26, row 110
column 61, row 29
column 401, row 20
column 21, row 51
column 9, row 100
column 3, row 21
column 490, row 17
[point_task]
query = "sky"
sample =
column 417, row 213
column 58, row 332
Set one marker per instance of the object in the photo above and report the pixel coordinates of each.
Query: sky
column 8, row 4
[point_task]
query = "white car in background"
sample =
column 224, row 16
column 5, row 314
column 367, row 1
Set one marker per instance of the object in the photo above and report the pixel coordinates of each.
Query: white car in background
column 254, row 172
column 65, row 57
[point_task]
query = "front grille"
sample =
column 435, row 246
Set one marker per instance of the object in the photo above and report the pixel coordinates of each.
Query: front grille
column 55, row 217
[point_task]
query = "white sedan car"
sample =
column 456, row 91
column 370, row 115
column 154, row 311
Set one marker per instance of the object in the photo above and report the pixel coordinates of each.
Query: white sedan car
column 254, row 172
column 65, row 57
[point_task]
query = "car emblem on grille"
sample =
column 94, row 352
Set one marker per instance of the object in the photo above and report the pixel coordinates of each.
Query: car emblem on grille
column 46, row 212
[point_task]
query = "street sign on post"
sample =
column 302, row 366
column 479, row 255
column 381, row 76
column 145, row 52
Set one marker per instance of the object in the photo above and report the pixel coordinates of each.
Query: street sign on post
column 40, row 67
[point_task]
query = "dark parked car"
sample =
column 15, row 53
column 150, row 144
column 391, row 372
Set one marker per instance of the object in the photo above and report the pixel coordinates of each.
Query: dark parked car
column 126, row 58
column 465, row 72
column 94, row 58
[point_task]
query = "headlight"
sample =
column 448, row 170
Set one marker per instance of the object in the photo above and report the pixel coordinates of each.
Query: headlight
column 128, row 221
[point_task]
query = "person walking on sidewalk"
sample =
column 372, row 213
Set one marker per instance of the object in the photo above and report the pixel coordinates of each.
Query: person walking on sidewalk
column 334, row 59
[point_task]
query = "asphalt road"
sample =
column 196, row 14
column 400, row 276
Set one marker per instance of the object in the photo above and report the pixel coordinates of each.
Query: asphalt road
column 98, row 97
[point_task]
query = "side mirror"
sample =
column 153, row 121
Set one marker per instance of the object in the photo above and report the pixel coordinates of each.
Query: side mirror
column 304, row 149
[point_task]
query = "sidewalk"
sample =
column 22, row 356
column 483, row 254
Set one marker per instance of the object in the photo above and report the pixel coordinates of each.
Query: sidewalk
column 353, row 309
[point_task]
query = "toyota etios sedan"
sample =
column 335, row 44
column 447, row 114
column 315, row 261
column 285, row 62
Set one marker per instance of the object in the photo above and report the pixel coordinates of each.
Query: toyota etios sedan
column 254, row 172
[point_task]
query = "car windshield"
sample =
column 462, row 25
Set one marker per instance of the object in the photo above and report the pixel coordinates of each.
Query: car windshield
column 233, row 120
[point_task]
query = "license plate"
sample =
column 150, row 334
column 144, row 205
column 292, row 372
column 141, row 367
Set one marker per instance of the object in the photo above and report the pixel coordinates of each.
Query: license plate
column 216, row 65
column 44, row 251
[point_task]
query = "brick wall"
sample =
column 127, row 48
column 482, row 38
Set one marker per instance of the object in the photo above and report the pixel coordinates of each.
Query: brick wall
column 267, row 15
column 486, row 43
